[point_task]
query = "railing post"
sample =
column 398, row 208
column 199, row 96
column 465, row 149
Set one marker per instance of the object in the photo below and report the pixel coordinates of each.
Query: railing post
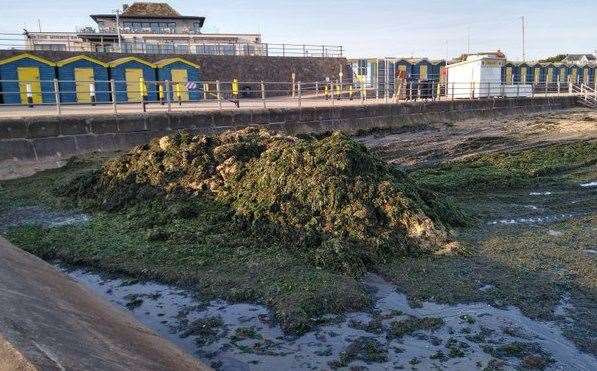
column 283, row 50
column 316, row 88
column 377, row 87
column 113, row 94
column 293, row 84
column 168, row 95
column 263, row 94
column 92, row 93
column 219, row 94
column 57, row 96
column 298, row 88
column 433, row 90
column 29, row 95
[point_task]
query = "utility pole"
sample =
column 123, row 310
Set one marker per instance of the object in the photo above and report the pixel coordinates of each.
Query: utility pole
column 524, row 56
column 39, row 24
column 118, row 30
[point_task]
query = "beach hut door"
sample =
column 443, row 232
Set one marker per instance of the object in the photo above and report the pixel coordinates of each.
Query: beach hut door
column 83, row 77
column 180, row 77
column 133, row 76
column 422, row 72
column 29, row 75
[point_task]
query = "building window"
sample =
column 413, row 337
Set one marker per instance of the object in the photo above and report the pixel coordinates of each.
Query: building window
column 182, row 49
column 57, row 47
column 152, row 48
column 197, row 26
column 168, row 48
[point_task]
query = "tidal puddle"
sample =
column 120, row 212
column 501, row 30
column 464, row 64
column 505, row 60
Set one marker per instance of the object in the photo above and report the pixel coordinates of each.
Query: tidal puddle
column 544, row 219
column 245, row 337
column 33, row 215
column 589, row 185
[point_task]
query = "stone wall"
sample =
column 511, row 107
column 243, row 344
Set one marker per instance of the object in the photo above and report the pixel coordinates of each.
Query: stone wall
column 35, row 138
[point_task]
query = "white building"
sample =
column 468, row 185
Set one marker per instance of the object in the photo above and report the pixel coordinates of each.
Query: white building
column 480, row 76
column 147, row 28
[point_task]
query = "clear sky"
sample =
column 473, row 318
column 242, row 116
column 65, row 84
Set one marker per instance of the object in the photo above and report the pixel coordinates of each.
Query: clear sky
column 365, row 28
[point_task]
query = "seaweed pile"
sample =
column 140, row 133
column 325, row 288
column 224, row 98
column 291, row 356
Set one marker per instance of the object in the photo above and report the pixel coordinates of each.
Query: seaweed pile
column 328, row 197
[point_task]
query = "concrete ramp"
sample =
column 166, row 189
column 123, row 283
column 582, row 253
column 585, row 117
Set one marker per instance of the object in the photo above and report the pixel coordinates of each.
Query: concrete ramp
column 50, row 322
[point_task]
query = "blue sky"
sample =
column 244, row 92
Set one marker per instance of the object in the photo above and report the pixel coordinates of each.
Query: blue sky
column 365, row 28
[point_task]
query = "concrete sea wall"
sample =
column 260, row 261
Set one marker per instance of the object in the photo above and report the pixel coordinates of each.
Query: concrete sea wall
column 36, row 138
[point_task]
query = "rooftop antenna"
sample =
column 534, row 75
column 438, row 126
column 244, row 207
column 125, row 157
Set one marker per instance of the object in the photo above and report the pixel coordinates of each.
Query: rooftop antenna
column 468, row 39
column 524, row 55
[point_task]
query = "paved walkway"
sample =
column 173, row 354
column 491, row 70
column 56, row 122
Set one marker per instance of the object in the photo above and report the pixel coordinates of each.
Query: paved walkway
column 50, row 322
column 206, row 105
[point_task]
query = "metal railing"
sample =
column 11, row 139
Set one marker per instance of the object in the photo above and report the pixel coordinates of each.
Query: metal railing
column 208, row 47
column 114, row 96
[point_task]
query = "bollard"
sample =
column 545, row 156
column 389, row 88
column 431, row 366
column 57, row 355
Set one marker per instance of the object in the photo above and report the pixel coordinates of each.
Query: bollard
column 298, row 88
column 339, row 91
column 57, row 96
column 350, row 92
column 92, row 93
column 433, row 90
column 178, row 93
column 205, row 90
column 219, row 94
column 161, row 94
column 363, row 92
column 113, row 94
column 143, row 91
column 168, row 95
column 263, row 94
column 29, row 95
column 325, row 92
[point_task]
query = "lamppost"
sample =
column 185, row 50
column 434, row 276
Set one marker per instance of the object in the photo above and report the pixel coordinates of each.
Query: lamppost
column 117, row 11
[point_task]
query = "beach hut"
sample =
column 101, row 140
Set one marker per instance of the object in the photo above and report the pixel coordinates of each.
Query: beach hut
column 180, row 71
column 435, row 69
column 536, row 76
column 83, row 79
column 508, row 72
column 421, row 68
column 404, row 66
column 561, row 71
column 550, row 72
column 27, row 78
column 134, row 78
column 588, row 74
column 574, row 74
column 524, row 73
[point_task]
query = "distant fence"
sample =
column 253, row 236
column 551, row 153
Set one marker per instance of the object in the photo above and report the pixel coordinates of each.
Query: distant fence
column 12, row 41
